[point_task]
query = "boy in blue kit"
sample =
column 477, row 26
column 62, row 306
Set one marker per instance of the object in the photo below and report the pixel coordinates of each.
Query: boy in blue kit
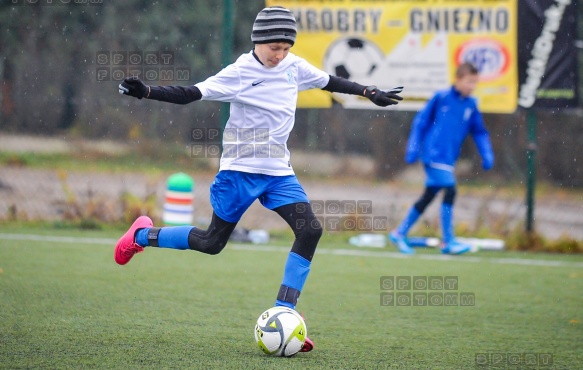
column 437, row 134
column 262, row 87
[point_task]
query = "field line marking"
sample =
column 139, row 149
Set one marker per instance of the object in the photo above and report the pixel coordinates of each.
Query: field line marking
column 334, row 252
column 397, row 255
column 58, row 239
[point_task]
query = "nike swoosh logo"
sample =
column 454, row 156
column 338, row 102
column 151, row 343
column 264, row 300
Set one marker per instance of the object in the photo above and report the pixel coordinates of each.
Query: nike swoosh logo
column 257, row 83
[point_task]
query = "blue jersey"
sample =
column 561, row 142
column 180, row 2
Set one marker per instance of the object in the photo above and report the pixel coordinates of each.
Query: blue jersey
column 441, row 127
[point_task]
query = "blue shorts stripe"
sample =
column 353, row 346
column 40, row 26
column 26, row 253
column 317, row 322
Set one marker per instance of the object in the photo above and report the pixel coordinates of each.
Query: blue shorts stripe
column 439, row 177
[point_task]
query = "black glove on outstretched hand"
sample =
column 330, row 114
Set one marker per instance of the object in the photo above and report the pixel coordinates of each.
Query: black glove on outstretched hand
column 133, row 86
column 380, row 97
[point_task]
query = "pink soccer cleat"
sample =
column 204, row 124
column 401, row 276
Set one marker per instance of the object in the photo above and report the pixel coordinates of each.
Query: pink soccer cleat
column 308, row 345
column 126, row 246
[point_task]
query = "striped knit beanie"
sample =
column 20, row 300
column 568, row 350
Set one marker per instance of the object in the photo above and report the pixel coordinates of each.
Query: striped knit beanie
column 274, row 24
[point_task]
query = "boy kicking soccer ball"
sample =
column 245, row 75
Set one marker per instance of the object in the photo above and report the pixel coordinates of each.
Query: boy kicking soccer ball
column 437, row 135
column 262, row 87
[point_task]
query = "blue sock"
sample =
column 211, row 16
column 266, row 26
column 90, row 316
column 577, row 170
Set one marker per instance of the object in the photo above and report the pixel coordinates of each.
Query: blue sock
column 295, row 274
column 408, row 221
column 169, row 237
column 447, row 222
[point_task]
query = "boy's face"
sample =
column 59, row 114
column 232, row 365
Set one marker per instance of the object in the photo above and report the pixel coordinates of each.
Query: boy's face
column 273, row 53
column 466, row 84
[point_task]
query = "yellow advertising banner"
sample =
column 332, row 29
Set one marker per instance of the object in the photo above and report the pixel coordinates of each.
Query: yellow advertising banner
column 412, row 43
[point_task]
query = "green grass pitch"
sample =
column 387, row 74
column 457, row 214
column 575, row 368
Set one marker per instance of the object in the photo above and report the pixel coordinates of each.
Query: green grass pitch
column 66, row 304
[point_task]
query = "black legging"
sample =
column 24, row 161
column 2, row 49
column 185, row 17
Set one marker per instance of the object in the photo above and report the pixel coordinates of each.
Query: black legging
column 299, row 217
column 429, row 194
column 305, row 225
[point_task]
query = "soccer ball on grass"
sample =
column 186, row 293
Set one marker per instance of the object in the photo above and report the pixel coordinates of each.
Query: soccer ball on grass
column 280, row 331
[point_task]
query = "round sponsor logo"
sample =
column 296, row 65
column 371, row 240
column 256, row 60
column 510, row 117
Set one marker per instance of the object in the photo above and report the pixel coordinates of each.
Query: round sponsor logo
column 490, row 57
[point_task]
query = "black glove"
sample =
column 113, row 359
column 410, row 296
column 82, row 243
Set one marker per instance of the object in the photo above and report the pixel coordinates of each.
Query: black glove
column 133, row 86
column 380, row 97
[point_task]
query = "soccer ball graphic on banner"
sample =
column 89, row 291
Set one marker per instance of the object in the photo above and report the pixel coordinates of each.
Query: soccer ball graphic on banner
column 352, row 58
column 280, row 331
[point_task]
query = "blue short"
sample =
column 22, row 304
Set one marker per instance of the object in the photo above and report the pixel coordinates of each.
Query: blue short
column 439, row 177
column 233, row 192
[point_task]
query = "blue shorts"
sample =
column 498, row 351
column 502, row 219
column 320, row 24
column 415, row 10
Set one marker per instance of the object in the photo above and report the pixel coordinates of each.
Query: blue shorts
column 233, row 192
column 439, row 177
